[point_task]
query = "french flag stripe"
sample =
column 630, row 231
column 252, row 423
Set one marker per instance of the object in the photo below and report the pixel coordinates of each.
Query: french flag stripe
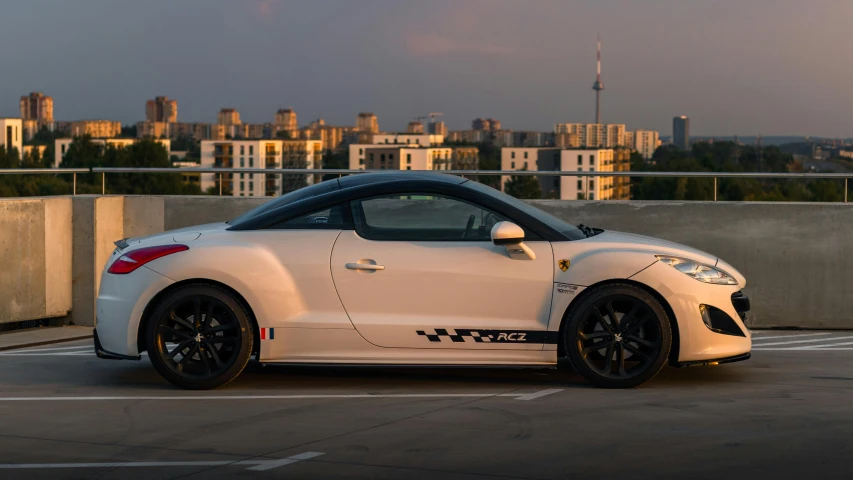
column 267, row 333
column 263, row 334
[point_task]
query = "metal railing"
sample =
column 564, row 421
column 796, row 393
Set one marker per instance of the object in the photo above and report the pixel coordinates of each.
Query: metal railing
column 47, row 171
column 536, row 173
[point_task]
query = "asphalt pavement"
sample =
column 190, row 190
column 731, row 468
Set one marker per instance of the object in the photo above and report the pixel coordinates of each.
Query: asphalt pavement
column 786, row 413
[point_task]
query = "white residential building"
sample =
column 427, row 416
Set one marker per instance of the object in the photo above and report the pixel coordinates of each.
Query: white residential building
column 382, row 157
column 645, row 142
column 270, row 154
column 422, row 139
column 557, row 159
column 61, row 146
column 588, row 188
column 533, row 159
column 12, row 134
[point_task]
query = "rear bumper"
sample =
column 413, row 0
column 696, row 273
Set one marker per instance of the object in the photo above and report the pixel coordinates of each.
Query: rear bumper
column 719, row 361
column 101, row 353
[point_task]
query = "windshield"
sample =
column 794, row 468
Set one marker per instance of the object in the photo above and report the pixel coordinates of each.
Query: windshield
column 572, row 232
column 292, row 197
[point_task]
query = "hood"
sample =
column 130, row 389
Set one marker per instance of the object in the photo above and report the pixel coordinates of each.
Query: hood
column 630, row 241
column 181, row 235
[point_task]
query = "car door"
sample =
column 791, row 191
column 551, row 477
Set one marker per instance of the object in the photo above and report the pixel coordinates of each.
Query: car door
column 421, row 271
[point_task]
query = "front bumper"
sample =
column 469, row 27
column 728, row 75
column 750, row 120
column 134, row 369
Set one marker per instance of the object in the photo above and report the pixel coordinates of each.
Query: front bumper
column 697, row 343
column 101, row 353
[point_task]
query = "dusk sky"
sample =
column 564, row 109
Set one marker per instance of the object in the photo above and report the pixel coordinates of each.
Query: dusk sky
column 773, row 67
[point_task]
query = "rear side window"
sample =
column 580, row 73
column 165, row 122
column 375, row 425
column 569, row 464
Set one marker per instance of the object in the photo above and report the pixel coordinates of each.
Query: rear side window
column 333, row 218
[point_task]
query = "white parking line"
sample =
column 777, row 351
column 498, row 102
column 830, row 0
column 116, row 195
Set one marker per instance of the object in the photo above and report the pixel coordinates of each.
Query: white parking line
column 822, row 347
column 516, row 396
column 257, row 465
column 774, row 337
column 792, row 342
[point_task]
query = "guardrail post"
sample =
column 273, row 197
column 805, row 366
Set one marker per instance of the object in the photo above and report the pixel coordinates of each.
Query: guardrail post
column 74, row 184
column 103, row 183
column 220, row 184
column 715, row 189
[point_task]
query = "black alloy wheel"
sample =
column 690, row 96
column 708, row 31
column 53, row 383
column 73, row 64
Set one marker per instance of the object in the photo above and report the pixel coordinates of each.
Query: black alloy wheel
column 618, row 336
column 199, row 337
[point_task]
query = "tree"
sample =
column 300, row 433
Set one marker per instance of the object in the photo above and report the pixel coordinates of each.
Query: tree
column 523, row 187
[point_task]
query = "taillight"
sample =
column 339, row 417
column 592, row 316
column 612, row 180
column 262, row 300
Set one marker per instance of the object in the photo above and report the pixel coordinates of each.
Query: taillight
column 132, row 260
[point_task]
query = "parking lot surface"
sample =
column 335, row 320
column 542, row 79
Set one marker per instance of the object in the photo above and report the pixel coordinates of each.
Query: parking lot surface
column 787, row 412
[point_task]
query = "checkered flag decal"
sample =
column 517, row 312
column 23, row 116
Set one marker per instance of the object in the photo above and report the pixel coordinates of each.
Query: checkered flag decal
column 457, row 336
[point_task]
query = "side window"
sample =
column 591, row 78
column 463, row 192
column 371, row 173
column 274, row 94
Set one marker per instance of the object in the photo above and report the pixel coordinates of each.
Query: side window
column 422, row 217
column 333, row 218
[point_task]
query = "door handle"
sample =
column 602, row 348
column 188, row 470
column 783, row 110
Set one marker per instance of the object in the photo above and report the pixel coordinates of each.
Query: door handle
column 365, row 266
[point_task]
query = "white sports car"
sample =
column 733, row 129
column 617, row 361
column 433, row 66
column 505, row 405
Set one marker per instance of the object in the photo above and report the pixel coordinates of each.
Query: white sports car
column 415, row 268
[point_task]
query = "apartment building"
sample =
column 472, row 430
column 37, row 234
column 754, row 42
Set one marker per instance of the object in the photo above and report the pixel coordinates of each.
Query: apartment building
column 411, row 157
column 95, row 128
column 60, row 146
column 269, row 154
column 11, row 134
column 594, row 135
column 533, row 159
column 572, row 187
column 645, row 142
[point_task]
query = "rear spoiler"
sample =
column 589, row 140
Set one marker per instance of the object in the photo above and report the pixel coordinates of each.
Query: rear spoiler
column 121, row 244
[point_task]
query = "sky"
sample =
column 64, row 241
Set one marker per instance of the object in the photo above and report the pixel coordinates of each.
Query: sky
column 771, row 67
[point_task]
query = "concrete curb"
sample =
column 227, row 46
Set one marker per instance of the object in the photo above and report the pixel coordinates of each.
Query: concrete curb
column 45, row 342
column 43, row 336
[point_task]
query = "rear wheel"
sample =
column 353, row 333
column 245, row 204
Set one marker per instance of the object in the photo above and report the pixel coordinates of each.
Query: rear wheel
column 199, row 337
column 618, row 336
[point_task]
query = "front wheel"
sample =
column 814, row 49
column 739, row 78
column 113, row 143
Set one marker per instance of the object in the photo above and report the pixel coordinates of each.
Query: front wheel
column 617, row 336
column 199, row 337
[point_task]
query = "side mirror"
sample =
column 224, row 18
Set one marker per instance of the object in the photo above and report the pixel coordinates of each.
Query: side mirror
column 507, row 233
column 511, row 236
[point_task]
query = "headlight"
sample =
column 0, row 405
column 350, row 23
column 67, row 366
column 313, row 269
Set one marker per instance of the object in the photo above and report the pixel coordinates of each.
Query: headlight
column 699, row 271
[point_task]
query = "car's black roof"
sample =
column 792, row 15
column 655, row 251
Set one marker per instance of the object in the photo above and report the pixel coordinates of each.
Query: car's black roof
column 398, row 176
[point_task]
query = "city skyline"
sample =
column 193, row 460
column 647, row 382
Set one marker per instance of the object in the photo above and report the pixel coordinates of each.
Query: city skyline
column 528, row 66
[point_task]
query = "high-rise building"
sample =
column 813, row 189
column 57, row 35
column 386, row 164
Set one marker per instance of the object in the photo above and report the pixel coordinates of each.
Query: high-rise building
column 11, row 134
column 285, row 121
column 37, row 106
column 228, row 116
column 161, row 109
column 367, row 122
column 681, row 132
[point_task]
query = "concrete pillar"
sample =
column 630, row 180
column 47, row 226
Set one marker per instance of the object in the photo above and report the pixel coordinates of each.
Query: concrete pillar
column 97, row 223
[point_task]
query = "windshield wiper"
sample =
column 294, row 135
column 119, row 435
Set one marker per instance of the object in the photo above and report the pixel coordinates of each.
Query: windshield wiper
column 588, row 231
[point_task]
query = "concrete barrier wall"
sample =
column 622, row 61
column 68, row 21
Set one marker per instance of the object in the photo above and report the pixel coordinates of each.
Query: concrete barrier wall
column 793, row 255
column 35, row 258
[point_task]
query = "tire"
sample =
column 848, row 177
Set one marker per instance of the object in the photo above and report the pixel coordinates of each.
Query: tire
column 630, row 326
column 199, row 337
